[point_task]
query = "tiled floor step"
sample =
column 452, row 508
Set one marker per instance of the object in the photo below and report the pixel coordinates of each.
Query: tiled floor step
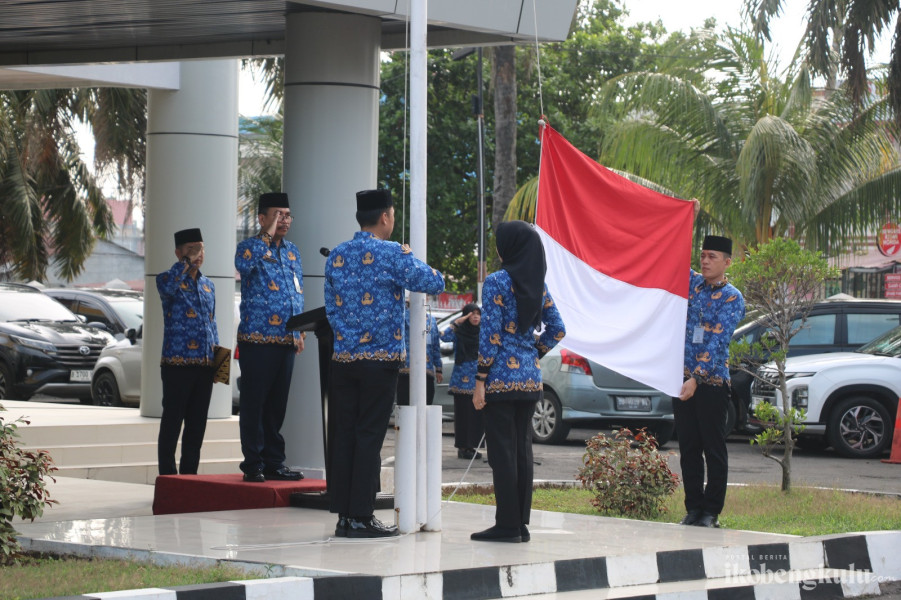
column 144, row 472
column 127, row 430
column 133, row 452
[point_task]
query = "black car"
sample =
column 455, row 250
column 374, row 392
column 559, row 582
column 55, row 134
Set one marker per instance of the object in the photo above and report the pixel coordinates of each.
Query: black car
column 840, row 323
column 117, row 310
column 44, row 347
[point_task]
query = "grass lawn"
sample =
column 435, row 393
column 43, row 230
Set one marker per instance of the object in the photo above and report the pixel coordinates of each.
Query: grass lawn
column 804, row 512
column 43, row 577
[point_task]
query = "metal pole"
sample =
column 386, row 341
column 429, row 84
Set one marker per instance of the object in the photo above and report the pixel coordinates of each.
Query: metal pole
column 481, row 119
column 418, row 170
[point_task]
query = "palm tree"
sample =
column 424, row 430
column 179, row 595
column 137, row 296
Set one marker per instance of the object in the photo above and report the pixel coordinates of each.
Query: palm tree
column 767, row 156
column 842, row 33
column 50, row 203
column 259, row 164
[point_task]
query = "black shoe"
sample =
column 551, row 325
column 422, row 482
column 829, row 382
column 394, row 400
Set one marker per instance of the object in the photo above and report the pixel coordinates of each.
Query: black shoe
column 691, row 518
column 524, row 533
column 706, row 520
column 498, row 534
column 468, row 453
column 369, row 527
column 255, row 477
column 341, row 527
column 284, row 474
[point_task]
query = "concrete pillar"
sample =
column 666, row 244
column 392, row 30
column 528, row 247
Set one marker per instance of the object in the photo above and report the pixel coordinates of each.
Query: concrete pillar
column 192, row 181
column 330, row 153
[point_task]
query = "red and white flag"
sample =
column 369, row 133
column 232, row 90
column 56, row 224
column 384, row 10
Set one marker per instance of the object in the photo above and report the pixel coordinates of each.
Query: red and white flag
column 618, row 257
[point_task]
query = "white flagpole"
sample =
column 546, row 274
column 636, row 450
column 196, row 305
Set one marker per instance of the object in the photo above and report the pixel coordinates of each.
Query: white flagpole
column 407, row 498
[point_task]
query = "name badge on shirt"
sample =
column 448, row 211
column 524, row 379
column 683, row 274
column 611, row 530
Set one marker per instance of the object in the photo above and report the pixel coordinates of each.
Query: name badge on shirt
column 296, row 284
column 698, row 336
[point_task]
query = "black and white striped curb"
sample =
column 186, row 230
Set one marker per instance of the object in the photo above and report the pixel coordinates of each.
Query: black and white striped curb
column 863, row 560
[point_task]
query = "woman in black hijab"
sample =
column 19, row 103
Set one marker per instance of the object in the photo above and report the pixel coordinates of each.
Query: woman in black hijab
column 468, row 423
column 515, row 303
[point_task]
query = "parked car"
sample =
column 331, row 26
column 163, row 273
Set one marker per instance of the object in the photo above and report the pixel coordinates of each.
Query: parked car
column 117, row 310
column 44, row 347
column 116, row 380
column 578, row 390
column 840, row 323
column 851, row 398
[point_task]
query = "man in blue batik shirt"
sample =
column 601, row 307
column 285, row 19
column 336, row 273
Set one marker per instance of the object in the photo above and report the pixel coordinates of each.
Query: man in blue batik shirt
column 715, row 307
column 186, row 365
column 365, row 279
column 271, row 292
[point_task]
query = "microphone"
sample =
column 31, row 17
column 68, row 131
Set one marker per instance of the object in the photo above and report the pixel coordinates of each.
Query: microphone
column 324, row 251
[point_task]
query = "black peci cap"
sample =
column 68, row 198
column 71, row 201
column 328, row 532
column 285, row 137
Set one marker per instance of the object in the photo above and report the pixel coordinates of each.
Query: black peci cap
column 373, row 200
column 717, row 243
column 272, row 200
column 187, row 236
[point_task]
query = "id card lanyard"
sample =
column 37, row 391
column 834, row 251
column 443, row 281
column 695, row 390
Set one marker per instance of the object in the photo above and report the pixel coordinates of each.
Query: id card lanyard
column 697, row 336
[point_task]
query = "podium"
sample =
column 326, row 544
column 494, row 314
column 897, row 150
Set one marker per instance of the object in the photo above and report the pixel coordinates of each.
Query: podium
column 316, row 321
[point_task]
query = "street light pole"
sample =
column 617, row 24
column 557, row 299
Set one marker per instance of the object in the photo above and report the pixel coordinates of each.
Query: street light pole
column 478, row 109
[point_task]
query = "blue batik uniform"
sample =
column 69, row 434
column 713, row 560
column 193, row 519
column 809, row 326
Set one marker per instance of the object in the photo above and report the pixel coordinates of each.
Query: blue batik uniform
column 365, row 279
column 189, row 308
column 463, row 378
column 717, row 308
column 271, row 293
column 271, row 290
column 508, row 356
column 186, row 366
column 432, row 347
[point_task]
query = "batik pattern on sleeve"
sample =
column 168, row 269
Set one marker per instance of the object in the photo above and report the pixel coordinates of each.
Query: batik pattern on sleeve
column 365, row 279
column 271, row 290
column 189, row 313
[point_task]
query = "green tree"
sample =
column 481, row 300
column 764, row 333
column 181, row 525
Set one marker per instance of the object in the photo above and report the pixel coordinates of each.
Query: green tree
column 842, row 33
column 782, row 281
column 766, row 155
column 452, row 196
column 259, row 164
column 51, row 208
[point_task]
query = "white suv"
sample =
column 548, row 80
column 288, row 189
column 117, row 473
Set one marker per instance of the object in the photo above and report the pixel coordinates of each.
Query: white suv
column 851, row 398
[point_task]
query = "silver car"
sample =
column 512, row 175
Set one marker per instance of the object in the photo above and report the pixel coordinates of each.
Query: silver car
column 578, row 390
column 116, row 380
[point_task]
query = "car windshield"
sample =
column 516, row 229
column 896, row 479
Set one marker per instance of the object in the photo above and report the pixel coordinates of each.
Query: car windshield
column 27, row 306
column 888, row 344
column 130, row 310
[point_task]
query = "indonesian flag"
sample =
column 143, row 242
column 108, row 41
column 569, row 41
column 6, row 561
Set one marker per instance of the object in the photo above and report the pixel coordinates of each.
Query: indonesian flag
column 618, row 257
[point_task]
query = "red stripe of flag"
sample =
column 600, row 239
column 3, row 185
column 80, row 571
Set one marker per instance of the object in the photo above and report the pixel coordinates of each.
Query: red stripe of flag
column 618, row 227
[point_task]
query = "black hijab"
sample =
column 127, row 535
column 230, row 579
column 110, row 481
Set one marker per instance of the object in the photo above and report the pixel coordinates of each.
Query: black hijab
column 466, row 348
column 522, row 256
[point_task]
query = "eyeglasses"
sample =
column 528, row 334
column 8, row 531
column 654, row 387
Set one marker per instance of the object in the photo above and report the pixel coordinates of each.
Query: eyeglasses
column 286, row 218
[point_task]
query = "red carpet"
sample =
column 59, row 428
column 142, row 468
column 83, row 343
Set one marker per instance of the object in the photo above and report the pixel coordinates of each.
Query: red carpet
column 174, row 494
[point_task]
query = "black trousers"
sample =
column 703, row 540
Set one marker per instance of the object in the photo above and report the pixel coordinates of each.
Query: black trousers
column 700, row 424
column 403, row 389
column 508, row 433
column 364, row 395
column 265, row 381
column 469, row 423
column 186, row 400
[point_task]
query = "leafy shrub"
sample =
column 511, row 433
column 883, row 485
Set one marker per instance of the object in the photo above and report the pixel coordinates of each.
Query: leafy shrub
column 23, row 490
column 627, row 474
